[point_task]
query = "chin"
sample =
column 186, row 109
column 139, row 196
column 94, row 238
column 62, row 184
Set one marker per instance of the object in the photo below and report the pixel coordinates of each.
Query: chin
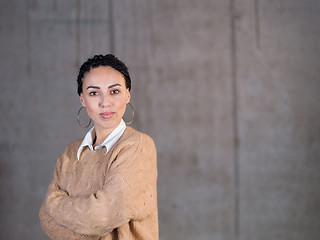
column 110, row 124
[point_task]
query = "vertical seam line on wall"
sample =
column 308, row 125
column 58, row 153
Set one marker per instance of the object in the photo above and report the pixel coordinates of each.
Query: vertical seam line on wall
column 257, row 22
column 111, row 27
column 29, row 51
column 78, row 33
column 233, row 51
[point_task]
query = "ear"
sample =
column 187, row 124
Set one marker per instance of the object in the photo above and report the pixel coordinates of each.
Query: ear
column 128, row 96
column 82, row 100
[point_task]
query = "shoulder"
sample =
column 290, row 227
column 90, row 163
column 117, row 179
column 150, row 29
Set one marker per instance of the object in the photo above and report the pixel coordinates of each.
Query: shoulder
column 68, row 155
column 133, row 144
column 136, row 138
column 72, row 148
column 134, row 150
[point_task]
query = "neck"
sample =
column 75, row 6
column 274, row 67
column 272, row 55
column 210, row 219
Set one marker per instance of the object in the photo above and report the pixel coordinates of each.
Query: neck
column 101, row 134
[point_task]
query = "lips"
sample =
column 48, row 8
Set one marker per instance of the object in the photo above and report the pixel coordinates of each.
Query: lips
column 106, row 115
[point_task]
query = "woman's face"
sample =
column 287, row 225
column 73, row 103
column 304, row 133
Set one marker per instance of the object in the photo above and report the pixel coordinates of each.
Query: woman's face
column 104, row 96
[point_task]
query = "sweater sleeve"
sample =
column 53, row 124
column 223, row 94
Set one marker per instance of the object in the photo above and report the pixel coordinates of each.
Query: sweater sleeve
column 129, row 193
column 54, row 230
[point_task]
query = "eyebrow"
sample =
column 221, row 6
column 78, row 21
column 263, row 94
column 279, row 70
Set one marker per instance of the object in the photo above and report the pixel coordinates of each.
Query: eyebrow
column 93, row 87
column 111, row 86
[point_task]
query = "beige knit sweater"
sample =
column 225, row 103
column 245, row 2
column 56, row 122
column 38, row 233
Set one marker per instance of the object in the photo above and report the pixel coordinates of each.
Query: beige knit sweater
column 102, row 196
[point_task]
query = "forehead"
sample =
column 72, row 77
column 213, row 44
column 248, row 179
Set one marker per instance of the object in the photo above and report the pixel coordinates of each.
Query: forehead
column 103, row 75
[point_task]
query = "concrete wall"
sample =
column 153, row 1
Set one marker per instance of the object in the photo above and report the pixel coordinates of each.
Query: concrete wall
column 229, row 90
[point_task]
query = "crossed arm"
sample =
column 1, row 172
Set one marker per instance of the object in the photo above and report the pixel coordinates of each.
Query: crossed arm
column 128, row 193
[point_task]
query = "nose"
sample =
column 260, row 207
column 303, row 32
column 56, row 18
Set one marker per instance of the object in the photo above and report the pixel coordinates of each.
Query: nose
column 104, row 100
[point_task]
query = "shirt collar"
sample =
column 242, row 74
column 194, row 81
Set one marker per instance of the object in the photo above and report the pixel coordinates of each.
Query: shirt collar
column 108, row 143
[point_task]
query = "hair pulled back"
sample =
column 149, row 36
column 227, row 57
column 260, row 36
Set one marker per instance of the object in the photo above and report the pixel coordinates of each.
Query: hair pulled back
column 103, row 60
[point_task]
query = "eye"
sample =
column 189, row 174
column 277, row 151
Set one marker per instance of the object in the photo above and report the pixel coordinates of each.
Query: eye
column 93, row 93
column 115, row 91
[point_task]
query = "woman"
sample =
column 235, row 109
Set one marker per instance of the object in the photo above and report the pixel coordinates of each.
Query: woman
column 104, row 185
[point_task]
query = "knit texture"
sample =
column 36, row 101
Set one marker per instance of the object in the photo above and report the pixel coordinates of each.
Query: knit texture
column 101, row 196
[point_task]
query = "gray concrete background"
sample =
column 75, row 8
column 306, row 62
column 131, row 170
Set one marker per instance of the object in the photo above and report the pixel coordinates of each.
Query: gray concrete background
column 229, row 90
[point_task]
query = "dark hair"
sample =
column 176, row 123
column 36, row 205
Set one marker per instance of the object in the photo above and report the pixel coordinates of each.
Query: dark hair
column 103, row 60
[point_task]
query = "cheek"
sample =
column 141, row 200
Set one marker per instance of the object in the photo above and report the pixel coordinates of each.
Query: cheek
column 121, row 105
column 91, row 110
column 90, row 104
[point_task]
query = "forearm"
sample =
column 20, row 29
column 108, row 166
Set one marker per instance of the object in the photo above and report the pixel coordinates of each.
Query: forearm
column 58, row 232
column 97, row 214
column 50, row 226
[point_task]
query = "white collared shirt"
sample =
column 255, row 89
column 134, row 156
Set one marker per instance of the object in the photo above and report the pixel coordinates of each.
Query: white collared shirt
column 108, row 143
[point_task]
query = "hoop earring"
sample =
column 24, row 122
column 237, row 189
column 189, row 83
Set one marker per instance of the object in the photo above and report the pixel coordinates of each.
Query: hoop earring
column 78, row 117
column 128, row 123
